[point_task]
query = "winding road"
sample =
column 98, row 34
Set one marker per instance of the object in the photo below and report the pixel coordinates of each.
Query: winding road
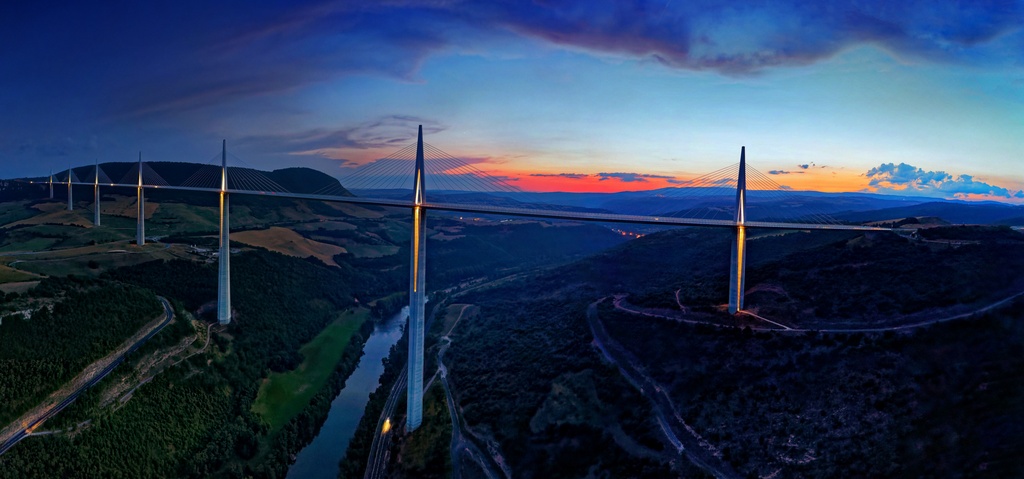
column 618, row 301
column 53, row 411
column 682, row 437
column 460, row 445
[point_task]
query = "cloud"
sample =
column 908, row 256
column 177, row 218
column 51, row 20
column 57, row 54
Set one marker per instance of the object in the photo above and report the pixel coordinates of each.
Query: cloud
column 267, row 49
column 571, row 176
column 904, row 178
column 804, row 166
column 784, row 172
column 631, row 177
column 52, row 147
column 1019, row 194
column 731, row 39
column 390, row 131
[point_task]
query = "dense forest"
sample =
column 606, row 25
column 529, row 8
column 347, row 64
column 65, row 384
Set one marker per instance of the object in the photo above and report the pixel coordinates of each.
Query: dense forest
column 196, row 420
column 941, row 401
column 880, row 278
column 526, row 375
column 816, row 279
column 84, row 320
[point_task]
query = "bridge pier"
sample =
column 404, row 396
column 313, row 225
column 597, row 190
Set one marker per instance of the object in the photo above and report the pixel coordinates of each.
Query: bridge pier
column 224, row 256
column 70, row 201
column 417, row 297
column 140, row 224
column 96, row 191
column 738, row 264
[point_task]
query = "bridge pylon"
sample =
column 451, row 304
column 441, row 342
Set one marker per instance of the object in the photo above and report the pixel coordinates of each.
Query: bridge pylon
column 140, row 223
column 96, row 192
column 70, row 201
column 224, row 256
column 51, row 183
column 738, row 263
column 417, row 296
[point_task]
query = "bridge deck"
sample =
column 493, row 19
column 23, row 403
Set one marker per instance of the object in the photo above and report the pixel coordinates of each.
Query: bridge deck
column 504, row 210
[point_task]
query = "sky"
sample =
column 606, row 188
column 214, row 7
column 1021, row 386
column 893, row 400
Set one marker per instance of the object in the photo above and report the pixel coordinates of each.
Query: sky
column 912, row 98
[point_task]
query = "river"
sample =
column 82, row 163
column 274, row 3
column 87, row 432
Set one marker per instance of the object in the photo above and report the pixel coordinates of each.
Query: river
column 319, row 460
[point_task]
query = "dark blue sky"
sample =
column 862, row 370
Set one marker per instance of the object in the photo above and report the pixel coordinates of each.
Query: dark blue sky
column 565, row 89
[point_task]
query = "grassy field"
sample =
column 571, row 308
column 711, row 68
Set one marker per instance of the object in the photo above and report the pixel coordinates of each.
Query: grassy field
column 177, row 218
column 326, row 226
column 356, row 210
column 286, row 241
column 454, row 312
column 55, row 213
column 92, row 264
column 360, row 250
column 15, row 211
column 29, row 244
column 11, row 275
column 42, row 237
column 283, row 395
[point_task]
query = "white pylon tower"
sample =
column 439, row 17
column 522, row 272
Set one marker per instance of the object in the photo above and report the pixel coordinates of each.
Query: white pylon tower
column 96, row 191
column 417, row 298
column 70, row 202
column 224, row 257
column 738, row 265
column 51, row 183
column 140, row 225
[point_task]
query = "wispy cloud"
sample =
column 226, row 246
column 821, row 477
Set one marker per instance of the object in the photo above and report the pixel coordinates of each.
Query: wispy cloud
column 623, row 177
column 631, row 177
column 391, row 131
column 569, row 176
column 784, row 172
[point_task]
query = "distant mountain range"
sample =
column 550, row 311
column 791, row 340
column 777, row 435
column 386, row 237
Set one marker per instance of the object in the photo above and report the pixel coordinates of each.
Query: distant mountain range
column 296, row 180
column 709, row 203
column 717, row 203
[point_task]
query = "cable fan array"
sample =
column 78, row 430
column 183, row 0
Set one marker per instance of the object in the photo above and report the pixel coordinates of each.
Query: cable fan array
column 449, row 181
column 149, row 176
column 713, row 197
column 453, row 181
column 246, row 178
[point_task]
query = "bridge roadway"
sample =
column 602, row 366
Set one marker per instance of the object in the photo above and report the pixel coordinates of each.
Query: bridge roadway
column 504, row 210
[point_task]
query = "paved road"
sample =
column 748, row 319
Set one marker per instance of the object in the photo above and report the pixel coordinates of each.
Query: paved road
column 380, row 448
column 460, row 445
column 168, row 314
column 683, row 437
column 618, row 300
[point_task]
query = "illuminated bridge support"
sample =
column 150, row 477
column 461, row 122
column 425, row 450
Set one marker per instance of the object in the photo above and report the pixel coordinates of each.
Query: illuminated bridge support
column 140, row 225
column 738, row 264
column 70, row 202
column 417, row 297
column 51, row 184
column 96, row 192
column 224, row 257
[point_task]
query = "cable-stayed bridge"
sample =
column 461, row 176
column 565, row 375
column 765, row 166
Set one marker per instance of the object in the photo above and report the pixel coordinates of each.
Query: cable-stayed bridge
column 736, row 197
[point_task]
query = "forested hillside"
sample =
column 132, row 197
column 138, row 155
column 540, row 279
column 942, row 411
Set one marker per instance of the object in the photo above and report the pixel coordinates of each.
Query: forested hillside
column 75, row 322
